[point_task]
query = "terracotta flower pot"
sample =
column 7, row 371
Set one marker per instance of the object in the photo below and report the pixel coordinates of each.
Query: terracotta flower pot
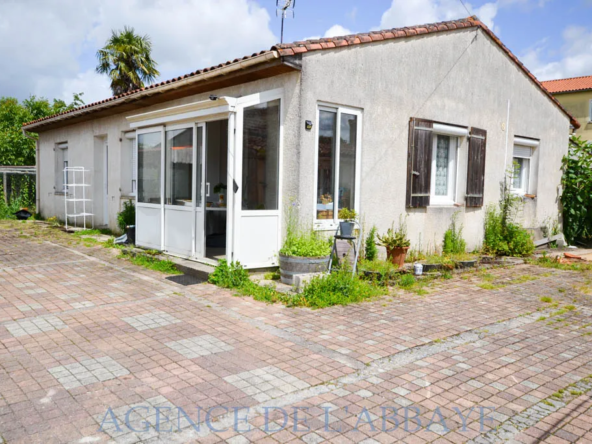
column 397, row 255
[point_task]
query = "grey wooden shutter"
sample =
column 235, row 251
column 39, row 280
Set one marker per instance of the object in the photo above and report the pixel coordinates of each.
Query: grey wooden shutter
column 419, row 162
column 476, row 167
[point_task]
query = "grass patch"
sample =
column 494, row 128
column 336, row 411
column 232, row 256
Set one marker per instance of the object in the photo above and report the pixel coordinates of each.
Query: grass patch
column 164, row 266
column 337, row 288
column 522, row 279
column 407, row 281
column 546, row 299
column 93, row 232
column 489, row 286
column 272, row 275
column 550, row 263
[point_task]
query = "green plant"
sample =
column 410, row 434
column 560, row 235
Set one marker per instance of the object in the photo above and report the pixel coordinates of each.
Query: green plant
column 370, row 245
column 300, row 241
column 219, row 188
column 395, row 238
column 380, row 271
column 407, row 281
column 163, row 265
column 127, row 216
column 337, row 288
column 227, row 275
column 576, row 197
column 347, row 215
column 503, row 236
column 453, row 240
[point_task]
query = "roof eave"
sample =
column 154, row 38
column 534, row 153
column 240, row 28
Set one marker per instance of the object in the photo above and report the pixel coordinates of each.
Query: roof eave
column 169, row 86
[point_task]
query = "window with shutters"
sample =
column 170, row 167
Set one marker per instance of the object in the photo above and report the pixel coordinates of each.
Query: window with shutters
column 523, row 159
column 337, row 163
column 443, row 180
column 61, row 162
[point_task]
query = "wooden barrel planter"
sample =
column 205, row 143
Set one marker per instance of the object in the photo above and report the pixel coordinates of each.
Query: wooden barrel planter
column 293, row 265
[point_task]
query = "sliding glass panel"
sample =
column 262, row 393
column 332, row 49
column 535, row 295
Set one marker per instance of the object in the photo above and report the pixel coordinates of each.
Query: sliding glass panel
column 149, row 149
column 347, row 161
column 199, row 166
column 179, row 167
column 326, row 168
column 261, row 137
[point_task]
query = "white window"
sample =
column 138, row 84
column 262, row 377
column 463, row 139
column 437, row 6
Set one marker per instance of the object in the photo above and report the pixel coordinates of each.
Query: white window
column 524, row 150
column 337, row 162
column 61, row 163
column 521, row 161
column 590, row 114
column 443, row 181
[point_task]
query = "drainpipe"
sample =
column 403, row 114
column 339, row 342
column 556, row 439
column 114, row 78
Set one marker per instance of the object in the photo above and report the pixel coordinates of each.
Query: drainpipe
column 28, row 136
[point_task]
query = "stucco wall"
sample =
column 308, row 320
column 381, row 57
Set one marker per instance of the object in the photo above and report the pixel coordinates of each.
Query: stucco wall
column 460, row 78
column 578, row 104
column 83, row 137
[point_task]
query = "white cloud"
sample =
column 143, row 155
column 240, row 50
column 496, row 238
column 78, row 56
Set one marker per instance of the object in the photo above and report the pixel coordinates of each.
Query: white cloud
column 55, row 56
column 337, row 30
column 576, row 56
column 415, row 12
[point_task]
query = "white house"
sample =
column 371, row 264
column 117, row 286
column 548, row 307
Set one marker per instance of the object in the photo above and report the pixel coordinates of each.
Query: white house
column 420, row 121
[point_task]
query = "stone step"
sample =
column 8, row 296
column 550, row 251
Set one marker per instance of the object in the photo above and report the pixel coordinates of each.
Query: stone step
column 192, row 268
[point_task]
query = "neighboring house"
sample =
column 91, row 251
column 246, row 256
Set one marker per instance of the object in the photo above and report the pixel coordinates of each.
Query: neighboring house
column 422, row 121
column 575, row 95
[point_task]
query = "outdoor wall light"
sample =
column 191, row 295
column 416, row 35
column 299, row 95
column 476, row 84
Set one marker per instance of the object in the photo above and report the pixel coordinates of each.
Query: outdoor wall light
column 308, row 125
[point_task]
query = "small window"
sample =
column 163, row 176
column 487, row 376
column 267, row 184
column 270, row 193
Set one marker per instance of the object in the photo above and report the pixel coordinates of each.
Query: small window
column 179, row 167
column 443, row 182
column 337, row 162
column 149, row 149
column 590, row 113
column 61, row 176
column 129, row 156
column 521, row 160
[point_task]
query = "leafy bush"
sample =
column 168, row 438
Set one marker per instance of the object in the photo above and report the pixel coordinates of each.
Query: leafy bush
column 22, row 195
column 303, row 242
column 576, row 197
column 337, row 288
column 503, row 236
column 453, row 241
column 383, row 271
column 127, row 216
column 347, row 215
column 407, row 281
column 227, row 275
column 370, row 245
column 395, row 238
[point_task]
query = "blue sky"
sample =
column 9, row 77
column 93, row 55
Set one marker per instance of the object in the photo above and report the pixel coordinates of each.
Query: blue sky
column 56, row 56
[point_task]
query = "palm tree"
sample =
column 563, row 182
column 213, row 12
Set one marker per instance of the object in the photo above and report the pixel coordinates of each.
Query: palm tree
column 126, row 60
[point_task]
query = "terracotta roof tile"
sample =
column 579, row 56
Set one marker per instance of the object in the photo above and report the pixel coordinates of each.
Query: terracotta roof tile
column 301, row 47
column 568, row 85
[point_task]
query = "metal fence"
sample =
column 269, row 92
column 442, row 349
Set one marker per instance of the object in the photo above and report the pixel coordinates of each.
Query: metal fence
column 17, row 184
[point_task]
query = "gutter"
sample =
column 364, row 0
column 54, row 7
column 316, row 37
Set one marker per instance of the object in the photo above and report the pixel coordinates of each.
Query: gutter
column 171, row 86
column 37, row 200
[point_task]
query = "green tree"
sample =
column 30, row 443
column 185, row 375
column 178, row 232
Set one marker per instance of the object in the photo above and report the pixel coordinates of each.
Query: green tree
column 126, row 59
column 576, row 198
column 16, row 149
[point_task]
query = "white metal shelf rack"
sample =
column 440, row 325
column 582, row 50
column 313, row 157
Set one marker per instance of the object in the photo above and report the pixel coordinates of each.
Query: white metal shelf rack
column 76, row 192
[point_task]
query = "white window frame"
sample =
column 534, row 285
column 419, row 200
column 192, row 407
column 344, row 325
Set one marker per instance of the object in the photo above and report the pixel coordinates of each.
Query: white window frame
column 61, row 148
column 131, row 136
column 526, row 173
column 450, row 198
column 331, row 224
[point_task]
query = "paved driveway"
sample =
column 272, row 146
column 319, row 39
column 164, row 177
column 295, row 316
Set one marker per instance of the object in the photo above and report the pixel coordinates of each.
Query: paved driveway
column 94, row 349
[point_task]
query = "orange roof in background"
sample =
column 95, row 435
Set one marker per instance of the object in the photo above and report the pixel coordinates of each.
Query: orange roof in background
column 299, row 47
column 568, row 85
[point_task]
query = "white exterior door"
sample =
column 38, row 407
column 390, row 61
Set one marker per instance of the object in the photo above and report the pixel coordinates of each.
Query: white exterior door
column 257, row 203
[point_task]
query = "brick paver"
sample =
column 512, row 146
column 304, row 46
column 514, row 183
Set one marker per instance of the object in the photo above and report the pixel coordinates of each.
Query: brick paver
column 94, row 349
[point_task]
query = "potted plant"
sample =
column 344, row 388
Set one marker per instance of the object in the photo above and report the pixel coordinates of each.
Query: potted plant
column 220, row 189
column 347, row 223
column 396, row 243
column 304, row 250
